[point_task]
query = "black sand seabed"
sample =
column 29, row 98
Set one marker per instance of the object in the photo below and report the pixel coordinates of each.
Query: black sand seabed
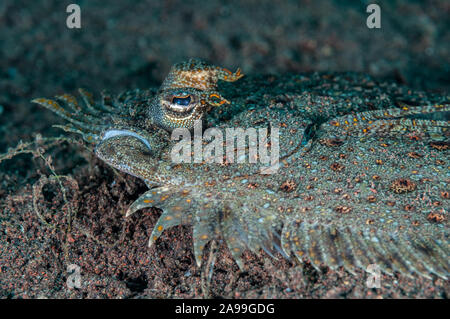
column 124, row 46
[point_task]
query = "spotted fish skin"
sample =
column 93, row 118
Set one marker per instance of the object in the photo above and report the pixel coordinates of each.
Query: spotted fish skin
column 363, row 176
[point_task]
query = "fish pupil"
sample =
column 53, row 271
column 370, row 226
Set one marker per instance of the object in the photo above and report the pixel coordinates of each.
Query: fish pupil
column 184, row 101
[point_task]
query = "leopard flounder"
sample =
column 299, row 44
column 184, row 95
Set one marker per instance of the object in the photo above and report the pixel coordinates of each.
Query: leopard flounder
column 362, row 178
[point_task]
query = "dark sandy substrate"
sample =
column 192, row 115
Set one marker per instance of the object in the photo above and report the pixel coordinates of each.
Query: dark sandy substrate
column 121, row 48
column 116, row 263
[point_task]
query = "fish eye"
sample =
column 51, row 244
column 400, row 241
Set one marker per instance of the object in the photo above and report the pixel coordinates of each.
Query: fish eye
column 181, row 100
column 179, row 103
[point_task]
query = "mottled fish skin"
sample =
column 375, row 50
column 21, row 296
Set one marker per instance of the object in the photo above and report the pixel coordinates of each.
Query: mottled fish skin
column 363, row 176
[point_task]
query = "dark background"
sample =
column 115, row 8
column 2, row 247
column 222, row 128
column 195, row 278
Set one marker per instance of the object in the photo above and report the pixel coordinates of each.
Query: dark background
column 128, row 44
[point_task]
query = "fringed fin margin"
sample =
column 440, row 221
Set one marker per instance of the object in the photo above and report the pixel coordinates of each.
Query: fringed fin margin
column 406, row 254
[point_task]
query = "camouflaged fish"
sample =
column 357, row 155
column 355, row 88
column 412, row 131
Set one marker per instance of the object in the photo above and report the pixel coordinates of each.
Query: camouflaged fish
column 362, row 179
